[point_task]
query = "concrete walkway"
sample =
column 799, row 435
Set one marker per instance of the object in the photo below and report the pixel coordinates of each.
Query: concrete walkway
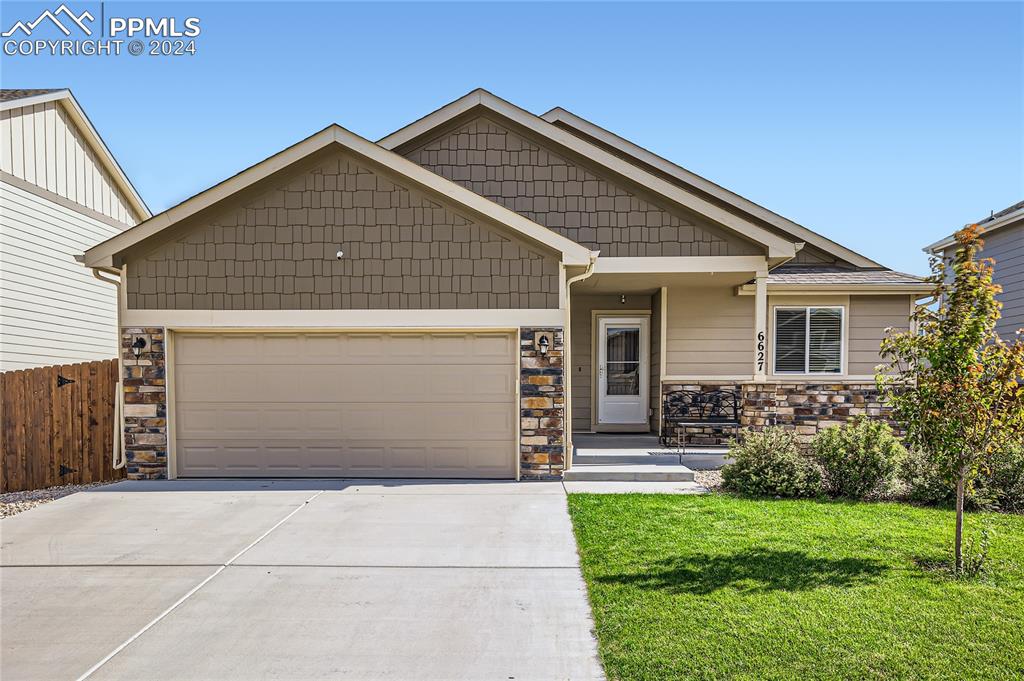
column 296, row 580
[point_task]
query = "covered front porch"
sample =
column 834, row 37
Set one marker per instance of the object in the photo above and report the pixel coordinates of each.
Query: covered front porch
column 641, row 326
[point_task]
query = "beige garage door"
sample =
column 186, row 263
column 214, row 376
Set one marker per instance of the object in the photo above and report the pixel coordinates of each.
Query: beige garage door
column 345, row 404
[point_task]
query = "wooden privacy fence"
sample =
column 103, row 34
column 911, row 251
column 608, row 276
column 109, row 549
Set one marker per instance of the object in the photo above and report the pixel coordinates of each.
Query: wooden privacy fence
column 58, row 425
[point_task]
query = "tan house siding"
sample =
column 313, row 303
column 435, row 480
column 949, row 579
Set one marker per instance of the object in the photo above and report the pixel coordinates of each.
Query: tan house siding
column 870, row 316
column 402, row 250
column 709, row 332
column 560, row 193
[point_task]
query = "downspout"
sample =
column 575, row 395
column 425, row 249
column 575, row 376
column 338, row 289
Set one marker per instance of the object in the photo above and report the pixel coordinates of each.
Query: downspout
column 567, row 355
column 117, row 453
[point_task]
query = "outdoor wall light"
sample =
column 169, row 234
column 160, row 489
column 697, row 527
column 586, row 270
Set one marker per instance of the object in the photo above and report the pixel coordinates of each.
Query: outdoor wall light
column 138, row 345
column 622, row 298
column 543, row 343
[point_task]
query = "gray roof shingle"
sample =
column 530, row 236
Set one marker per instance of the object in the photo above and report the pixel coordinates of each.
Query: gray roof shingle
column 832, row 276
column 1006, row 211
column 9, row 95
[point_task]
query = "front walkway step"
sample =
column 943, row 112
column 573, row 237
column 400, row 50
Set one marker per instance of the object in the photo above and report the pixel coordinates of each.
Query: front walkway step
column 592, row 457
column 629, row 473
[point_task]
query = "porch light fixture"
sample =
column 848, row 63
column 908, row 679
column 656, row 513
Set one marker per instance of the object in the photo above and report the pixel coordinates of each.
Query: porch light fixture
column 622, row 298
column 138, row 345
column 542, row 345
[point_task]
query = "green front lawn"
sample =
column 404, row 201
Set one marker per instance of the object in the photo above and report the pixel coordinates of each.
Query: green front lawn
column 714, row 587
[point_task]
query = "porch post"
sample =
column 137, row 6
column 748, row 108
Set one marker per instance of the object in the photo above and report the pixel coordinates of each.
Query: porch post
column 761, row 327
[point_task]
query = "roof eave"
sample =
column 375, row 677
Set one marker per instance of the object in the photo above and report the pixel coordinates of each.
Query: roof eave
column 987, row 228
column 702, row 183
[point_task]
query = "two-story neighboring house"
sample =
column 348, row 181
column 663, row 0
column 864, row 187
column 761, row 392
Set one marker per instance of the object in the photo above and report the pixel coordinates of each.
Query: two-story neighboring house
column 61, row 192
column 1003, row 234
column 454, row 299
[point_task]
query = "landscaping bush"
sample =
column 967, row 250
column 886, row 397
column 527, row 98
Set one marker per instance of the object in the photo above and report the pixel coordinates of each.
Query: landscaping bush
column 1001, row 488
column 769, row 463
column 859, row 458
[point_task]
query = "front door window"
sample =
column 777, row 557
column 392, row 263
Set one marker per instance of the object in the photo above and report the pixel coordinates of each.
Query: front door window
column 622, row 394
column 623, row 352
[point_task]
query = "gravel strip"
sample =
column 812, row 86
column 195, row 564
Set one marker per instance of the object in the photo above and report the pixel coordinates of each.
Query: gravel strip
column 712, row 480
column 12, row 503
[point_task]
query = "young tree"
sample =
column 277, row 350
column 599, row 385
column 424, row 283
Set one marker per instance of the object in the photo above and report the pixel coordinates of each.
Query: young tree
column 953, row 384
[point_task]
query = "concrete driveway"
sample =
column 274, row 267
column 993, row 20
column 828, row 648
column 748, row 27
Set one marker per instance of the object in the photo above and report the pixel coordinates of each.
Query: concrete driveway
column 296, row 580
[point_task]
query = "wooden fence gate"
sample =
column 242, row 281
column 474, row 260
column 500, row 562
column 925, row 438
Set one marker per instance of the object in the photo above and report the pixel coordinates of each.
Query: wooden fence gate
column 57, row 425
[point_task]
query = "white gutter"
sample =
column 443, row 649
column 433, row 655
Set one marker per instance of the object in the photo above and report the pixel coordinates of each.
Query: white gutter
column 118, row 451
column 567, row 356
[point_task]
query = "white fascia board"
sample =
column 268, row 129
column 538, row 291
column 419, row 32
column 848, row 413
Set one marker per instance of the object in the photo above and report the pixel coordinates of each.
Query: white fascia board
column 343, row 319
column 102, row 255
column 777, row 246
column 92, row 136
column 719, row 192
column 675, row 264
column 941, row 245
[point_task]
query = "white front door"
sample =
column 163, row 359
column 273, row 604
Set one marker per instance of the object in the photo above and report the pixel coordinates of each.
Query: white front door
column 622, row 368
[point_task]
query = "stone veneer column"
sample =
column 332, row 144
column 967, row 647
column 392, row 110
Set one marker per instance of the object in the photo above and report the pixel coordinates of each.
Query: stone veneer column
column 145, row 404
column 542, row 406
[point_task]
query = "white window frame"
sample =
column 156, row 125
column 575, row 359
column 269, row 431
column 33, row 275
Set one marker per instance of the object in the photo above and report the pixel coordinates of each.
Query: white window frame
column 807, row 340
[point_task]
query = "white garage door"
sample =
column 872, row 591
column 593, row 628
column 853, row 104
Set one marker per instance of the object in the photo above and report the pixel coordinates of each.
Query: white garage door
column 345, row 404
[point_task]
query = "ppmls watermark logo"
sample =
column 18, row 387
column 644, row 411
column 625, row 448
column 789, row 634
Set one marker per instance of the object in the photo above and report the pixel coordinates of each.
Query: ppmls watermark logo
column 65, row 32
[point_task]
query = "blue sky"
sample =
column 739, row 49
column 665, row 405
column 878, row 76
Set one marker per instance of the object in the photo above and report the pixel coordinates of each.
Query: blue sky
column 883, row 126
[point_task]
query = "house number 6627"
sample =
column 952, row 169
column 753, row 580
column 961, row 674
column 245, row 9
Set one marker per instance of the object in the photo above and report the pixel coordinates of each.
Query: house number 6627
column 760, row 350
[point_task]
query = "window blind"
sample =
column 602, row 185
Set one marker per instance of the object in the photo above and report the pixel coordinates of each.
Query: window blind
column 809, row 340
column 791, row 341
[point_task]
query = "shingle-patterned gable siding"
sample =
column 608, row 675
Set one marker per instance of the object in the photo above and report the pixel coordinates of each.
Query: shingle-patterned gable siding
column 402, row 251
column 557, row 192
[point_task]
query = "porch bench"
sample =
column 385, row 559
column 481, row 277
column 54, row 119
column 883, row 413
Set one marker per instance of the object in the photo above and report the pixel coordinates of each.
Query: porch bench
column 705, row 417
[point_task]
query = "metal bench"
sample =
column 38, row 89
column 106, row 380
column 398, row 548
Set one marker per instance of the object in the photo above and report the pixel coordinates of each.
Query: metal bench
column 683, row 409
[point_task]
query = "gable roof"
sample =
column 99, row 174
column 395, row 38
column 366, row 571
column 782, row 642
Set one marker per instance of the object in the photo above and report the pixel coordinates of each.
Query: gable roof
column 17, row 99
column 105, row 254
column 996, row 221
column 690, row 180
column 779, row 248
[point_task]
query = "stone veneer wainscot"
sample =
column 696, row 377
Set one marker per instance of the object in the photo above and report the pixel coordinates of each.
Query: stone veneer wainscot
column 145, row 404
column 804, row 408
column 542, row 406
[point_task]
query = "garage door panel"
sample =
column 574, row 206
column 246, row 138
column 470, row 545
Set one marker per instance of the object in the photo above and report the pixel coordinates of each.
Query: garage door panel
column 345, row 404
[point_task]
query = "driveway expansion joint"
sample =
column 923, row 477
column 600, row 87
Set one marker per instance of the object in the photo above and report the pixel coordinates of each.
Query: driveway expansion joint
column 152, row 623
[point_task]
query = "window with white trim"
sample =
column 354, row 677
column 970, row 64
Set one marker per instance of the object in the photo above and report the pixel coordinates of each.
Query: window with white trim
column 808, row 340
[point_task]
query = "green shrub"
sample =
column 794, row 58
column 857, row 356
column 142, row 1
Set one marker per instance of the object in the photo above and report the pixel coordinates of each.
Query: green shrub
column 859, row 458
column 769, row 463
column 1000, row 488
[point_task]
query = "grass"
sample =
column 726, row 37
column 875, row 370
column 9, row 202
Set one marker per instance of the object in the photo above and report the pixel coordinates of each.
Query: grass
column 716, row 587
